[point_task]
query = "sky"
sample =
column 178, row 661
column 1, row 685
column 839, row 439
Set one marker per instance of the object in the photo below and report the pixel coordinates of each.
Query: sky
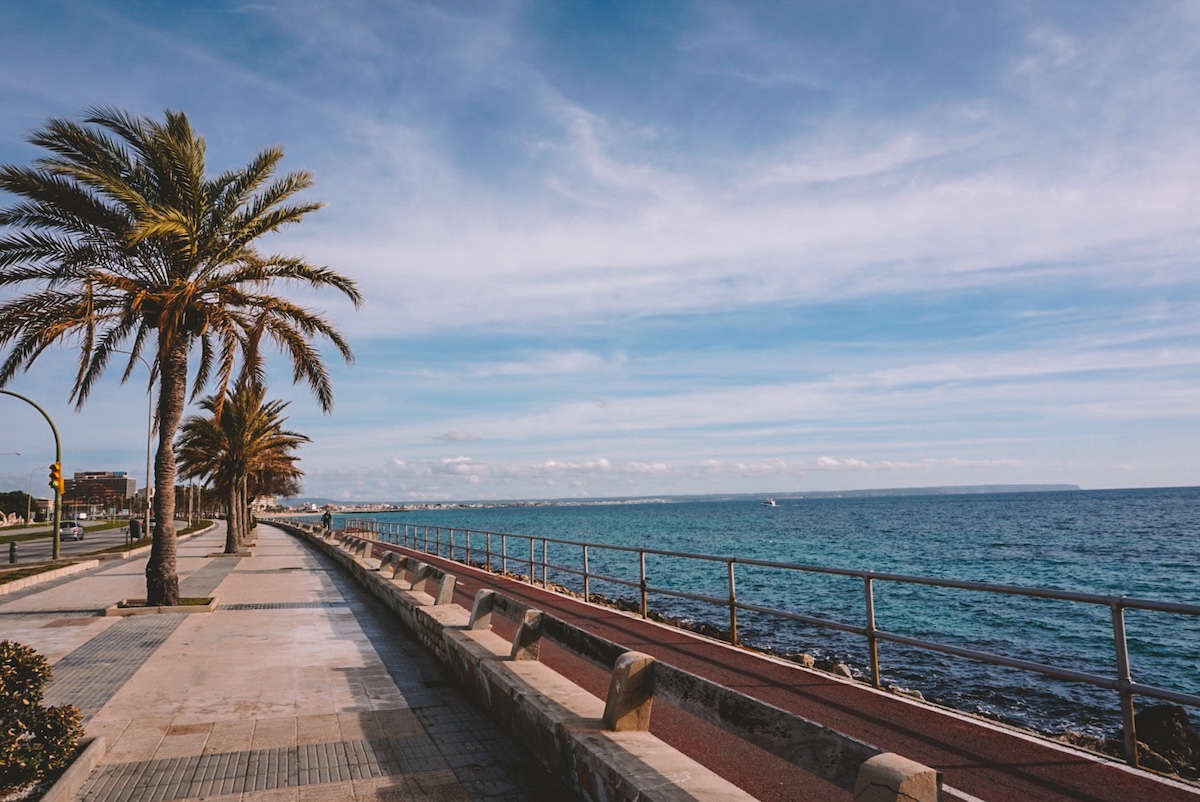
column 650, row 248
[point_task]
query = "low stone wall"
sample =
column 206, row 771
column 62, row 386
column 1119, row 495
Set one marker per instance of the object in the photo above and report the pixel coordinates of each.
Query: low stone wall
column 599, row 748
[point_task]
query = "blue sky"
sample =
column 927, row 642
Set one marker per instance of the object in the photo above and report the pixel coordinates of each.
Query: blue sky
column 669, row 247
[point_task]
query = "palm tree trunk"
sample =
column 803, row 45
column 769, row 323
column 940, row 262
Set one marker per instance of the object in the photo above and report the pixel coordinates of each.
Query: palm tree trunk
column 162, row 581
column 248, row 529
column 233, row 524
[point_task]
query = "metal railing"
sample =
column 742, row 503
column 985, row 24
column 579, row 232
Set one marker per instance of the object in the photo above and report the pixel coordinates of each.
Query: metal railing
column 441, row 541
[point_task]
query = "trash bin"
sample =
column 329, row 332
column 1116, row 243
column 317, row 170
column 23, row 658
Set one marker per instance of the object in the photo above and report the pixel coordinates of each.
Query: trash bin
column 135, row 529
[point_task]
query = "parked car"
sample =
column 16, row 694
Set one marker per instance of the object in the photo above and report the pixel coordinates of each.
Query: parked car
column 70, row 530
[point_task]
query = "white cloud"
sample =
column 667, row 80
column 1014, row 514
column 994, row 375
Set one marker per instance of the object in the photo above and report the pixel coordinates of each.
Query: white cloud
column 458, row 437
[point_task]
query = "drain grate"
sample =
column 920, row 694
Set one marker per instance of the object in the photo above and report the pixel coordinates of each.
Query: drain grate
column 318, row 605
column 92, row 612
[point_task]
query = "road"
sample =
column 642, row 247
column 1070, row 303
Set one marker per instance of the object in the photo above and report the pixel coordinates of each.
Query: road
column 31, row 551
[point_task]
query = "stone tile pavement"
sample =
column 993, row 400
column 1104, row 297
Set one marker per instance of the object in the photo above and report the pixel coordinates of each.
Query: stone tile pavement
column 298, row 687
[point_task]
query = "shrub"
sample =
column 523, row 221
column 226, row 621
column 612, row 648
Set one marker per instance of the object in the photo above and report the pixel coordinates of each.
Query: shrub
column 36, row 742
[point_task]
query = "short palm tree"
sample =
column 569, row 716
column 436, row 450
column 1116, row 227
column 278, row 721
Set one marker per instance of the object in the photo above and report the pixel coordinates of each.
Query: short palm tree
column 128, row 245
column 239, row 449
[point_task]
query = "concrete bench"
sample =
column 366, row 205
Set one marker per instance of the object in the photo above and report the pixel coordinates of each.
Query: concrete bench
column 420, row 574
column 871, row 774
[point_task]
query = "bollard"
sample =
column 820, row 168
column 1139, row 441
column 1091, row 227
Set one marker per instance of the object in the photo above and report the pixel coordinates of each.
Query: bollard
column 630, row 693
column 12, row 552
column 527, row 640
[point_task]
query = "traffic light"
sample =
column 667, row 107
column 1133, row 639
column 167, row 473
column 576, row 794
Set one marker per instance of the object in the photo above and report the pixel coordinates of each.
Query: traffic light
column 56, row 479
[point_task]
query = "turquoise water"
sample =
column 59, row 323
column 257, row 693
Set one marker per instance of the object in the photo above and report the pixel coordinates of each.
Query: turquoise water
column 1142, row 543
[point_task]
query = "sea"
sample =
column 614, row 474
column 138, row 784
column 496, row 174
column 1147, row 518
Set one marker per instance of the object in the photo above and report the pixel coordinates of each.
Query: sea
column 1140, row 543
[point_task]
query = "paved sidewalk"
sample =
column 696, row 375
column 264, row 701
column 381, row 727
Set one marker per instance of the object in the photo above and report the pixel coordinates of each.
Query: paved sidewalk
column 298, row 687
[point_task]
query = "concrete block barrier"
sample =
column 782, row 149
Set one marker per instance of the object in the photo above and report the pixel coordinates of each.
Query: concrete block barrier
column 602, row 748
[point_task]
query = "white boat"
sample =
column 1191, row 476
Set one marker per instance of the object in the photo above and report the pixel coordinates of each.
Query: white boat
column 770, row 503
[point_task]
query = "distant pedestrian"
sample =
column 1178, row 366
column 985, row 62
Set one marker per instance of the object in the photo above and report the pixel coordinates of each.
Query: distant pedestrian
column 327, row 520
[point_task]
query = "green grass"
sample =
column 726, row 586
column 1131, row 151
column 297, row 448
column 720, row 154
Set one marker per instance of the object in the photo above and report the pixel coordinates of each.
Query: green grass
column 146, row 541
column 13, row 574
column 123, row 547
column 184, row 601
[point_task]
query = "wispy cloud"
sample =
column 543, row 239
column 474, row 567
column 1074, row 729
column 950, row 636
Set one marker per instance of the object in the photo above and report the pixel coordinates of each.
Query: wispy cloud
column 756, row 245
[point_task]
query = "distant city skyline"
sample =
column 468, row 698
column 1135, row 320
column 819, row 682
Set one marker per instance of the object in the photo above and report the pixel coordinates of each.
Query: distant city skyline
column 673, row 248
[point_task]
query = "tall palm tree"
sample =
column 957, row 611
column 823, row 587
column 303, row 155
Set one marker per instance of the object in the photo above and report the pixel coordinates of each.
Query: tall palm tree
column 239, row 449
column 130, row 245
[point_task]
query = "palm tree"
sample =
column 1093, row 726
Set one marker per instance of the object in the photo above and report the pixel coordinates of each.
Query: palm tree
column 240, row 449
column 130, row 245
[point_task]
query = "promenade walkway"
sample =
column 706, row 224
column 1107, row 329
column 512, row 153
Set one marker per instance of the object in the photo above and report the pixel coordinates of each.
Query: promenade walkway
column 298, row 687
column 979, row 760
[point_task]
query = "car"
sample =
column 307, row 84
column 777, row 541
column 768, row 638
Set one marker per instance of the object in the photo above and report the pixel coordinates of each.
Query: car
column 70, row 530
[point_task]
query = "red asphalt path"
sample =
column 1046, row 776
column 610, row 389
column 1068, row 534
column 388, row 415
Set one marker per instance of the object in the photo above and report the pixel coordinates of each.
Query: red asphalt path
column 988, row 762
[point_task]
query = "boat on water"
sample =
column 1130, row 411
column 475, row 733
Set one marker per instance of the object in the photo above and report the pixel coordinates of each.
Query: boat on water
column 770, row 503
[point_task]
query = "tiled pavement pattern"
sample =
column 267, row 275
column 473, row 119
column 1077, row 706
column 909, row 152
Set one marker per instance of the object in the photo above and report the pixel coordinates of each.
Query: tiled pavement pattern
column 206, row 581
column 227, row 773
column 297, row 688
column 92, row 674
column 464, row 735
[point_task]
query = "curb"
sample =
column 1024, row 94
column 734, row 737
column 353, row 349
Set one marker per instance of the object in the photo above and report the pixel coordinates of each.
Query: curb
column 85, row 565
column 68, row 786
column 46, row 576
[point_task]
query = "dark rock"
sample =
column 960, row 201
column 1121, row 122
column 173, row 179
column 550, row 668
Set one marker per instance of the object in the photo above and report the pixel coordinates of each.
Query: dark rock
column 1168, row 733
column 1093, row 743
column 1149, row 759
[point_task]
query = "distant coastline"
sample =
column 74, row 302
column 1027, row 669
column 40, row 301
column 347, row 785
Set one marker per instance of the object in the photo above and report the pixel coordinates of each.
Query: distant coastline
column 943, row 490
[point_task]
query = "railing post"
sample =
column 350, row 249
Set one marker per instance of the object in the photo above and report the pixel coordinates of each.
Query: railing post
column 872, row 640
column 450, row 542
column 642, row 579
column 1123, row 682
column 487, row 546
column 586, row 584
column 467, row 558
column 437, row 540
column 532, row 564
column 545, row 581
column 504, row 554
column 733, row 636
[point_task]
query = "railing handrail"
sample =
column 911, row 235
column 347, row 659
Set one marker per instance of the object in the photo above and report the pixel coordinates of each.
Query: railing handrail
column 1102, row 599
column 1117, row 604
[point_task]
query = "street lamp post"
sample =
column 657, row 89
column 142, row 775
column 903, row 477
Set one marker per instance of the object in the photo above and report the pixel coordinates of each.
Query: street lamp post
column 149, row 435
column 57, row 466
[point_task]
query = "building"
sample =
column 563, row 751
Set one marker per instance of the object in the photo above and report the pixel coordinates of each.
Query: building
column 99, row 489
